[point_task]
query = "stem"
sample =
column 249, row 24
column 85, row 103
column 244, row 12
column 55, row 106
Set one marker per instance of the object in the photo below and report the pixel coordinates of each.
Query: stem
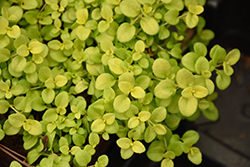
column 138, row 31
column 137, row 18
column 183, row 15
column 13, row 55
column 219, row 65
column 158, row 2
column 160, row 47
column 35, row 88
column 13, row 108
column 43, row 7
column 164, row 24
column 151, row 122
column 165, row 142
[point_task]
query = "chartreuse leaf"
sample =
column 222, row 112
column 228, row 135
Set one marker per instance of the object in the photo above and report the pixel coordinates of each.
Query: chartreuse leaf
column 143, row 81
column 104, row 80
column 44, row 73
column 192, row 20
column 130, row 8
column 232, row 57
column 98, row 125
column 228, row 70
column 48, row 95
column 121, row 103
column 107, row 13
column 187, row 92
column 9, row 129
column 124, row 143
column 18, row 63
column 195, row 9
column 33, row 127
column 102, row 161
column 171, row 16
column 14, row 31
column 29, row 4
column 201, row 65
column 94, row 139
column 35, row 47
column 17, row 120
column 138, row 147
column 108, row 93
column 4, row 106
column 160, row 129
column 200, row 49
column 195, row 155
column 60, row 80
column 149, row 134
column 174, row 4
column 15, row 164
column 133, row 122
column 28, row 144
column 82, row 157
column 218, row 54
column 138, row 92
column 82, row 32
column 187, row 106
column 156, row 153
column 144, row 116
column 82, row 15
column 165, row 89
column 189, row 60
column 190, row 137
column 164, row 33
column 200, row 91
column 115, row 65
column 149, row 25
column 139, row 46
column 81, row 86
column 161, row 68
column 125, row 32
column 127, row 153
column 30, row 67
column 167, row 163
column 126, row 76
column 222, row 80
column 4, row 55
column 109, row 118
column 50, row 115
column 62, row 99
column 63, row 145
column 211, row 113
column 4, row 40
column 158, row 114
column 184, row 78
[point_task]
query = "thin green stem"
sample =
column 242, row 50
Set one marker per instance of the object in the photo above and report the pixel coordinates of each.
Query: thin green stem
column 43, row 7
column 164, row 24
column 165, row 143
column 135, row 20
column 219, row 65
column 14, row 109
column 183, row 15
column 35, row 88
column 151, row 122
column 13, row 55
column 160, row 47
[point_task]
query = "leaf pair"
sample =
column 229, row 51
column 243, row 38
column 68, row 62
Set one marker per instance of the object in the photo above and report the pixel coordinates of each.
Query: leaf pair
column 188, row 101
column 128, row 147
column 12, row 32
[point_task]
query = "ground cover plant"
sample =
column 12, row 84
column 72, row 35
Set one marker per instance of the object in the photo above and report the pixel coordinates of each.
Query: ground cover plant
column 74, row 72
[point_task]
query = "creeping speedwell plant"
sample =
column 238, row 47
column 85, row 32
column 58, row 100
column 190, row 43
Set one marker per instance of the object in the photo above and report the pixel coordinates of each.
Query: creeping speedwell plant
column 74, row 72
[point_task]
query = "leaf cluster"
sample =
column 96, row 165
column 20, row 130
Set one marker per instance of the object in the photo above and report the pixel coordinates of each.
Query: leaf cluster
column 74, row 72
